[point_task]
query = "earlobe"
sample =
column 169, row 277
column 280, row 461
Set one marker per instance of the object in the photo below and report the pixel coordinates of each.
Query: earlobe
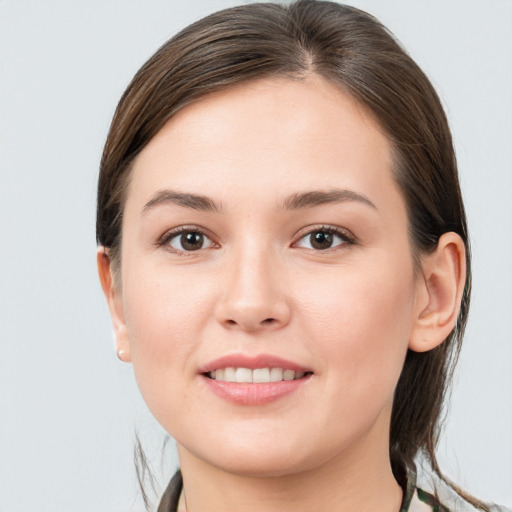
column 112, row 292
column 439, row 293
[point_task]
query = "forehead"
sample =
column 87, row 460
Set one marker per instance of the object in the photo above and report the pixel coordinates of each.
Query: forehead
column 267, row 136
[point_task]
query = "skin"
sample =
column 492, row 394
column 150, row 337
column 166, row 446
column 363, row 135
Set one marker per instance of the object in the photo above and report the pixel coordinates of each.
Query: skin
column 257, row 285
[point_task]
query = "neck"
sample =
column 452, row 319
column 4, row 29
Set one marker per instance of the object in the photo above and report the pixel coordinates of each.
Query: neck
column 359, row 479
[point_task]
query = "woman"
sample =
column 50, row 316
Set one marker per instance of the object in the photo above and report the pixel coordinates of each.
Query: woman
column 284, row 252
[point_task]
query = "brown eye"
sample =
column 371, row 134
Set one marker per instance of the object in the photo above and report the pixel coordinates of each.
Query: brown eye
column 323, row 239
column 190, row 241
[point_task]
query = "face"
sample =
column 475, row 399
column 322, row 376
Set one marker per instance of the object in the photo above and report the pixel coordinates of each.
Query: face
column 265, row 239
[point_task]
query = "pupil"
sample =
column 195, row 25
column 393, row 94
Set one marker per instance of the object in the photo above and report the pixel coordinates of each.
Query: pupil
column 192, row 241
column 321, row 240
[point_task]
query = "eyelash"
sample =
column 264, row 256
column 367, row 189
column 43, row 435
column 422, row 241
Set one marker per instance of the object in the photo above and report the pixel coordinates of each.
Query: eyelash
column 170, row 235
column 345, row 237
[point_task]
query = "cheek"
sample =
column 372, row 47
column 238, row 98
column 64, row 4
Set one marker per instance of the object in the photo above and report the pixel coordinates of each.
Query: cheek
column 361, row 322
column 165, row 314
column 164, row 305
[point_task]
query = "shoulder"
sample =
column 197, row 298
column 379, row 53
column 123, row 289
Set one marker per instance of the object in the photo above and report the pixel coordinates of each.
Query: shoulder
column 416, row 499
column 423, row 501
column 431, row 494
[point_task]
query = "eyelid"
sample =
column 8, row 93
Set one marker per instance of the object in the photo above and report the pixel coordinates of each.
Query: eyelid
column 347, row 237
column 174, row 232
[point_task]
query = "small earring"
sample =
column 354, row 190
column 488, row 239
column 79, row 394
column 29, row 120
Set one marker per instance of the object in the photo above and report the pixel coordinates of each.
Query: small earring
column 121, row 354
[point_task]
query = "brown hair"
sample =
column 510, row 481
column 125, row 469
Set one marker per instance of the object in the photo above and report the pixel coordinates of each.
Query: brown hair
column 353, row 50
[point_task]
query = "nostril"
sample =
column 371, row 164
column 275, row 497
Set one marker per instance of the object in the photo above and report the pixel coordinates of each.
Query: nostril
column 268, row 320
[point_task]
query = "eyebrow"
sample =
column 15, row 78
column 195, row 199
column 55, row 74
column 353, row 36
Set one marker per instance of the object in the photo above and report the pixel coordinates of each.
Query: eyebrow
column 192, row 201
column 318, row 197
column 297, row 201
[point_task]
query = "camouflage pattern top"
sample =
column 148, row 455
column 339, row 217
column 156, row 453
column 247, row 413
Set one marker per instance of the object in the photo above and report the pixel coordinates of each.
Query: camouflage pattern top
column 418, row 500
column 414, row 500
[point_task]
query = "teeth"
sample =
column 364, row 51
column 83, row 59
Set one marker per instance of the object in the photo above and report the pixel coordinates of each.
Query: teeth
column 259, row 375
column 229, row 375
column 243, row 375
column 276, row 374
column 288, row 375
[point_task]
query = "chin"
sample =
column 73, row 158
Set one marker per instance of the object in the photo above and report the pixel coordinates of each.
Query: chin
column 262, row 460
column 262, row 466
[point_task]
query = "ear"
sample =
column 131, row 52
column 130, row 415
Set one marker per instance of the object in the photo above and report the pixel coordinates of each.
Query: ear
column 112, row 291
column 439, row 293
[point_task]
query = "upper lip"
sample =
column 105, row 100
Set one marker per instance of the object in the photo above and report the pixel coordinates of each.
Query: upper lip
column 252, row 362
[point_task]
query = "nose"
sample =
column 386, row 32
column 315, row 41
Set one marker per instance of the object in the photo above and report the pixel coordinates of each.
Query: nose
column 253, row 296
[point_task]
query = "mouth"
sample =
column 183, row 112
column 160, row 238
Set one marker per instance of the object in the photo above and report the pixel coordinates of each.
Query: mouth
column 256, row 375
column 254, row 380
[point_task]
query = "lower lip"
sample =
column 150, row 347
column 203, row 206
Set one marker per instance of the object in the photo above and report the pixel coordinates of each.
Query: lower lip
column 254, row 394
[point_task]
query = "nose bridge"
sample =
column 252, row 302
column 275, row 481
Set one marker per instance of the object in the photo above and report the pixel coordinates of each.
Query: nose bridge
column 253, row 296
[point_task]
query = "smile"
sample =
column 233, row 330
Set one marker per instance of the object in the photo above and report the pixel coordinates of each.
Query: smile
column 256, row 376
column 254, row 380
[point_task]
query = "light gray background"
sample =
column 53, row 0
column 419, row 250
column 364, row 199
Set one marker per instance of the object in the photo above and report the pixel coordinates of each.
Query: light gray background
column 68, row 408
